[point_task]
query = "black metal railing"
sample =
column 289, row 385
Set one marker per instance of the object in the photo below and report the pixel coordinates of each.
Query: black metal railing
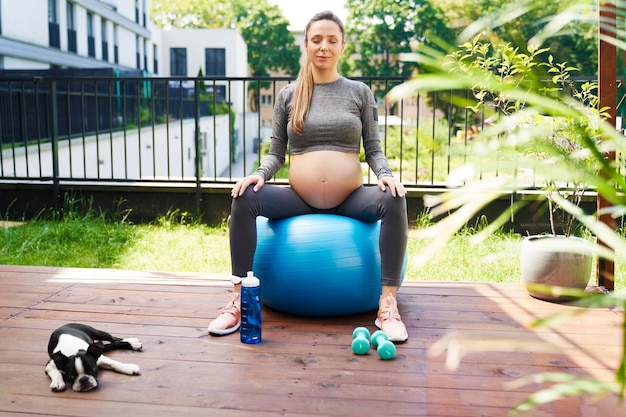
column 200, row 129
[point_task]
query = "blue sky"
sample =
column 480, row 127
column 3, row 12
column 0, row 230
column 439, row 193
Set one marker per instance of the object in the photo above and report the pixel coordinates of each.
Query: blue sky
column 299, row 12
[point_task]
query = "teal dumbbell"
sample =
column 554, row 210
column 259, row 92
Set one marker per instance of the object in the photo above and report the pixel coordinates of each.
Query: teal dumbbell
column 385, row 348
column 360, row 340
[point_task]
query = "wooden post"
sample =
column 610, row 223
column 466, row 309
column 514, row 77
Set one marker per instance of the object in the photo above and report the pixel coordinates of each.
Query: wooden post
column 607, row 95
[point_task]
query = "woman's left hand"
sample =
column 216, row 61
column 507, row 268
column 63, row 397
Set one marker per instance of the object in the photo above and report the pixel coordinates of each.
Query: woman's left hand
column 395, row 186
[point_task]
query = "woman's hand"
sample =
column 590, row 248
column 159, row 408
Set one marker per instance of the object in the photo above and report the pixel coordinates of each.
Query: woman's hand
column 243, row 185
column 395, row 186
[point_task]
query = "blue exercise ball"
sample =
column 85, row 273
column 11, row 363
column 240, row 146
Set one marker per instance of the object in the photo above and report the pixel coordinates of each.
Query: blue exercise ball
column 318, row 264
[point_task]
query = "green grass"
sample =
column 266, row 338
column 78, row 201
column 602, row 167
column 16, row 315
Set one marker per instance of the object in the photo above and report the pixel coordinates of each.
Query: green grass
column 493, row 260
column 96, row 242
column 175, row 243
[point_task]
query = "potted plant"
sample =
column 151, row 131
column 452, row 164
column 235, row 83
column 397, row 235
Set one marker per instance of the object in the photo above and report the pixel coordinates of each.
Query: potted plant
column 554, row 259
column 558, row 260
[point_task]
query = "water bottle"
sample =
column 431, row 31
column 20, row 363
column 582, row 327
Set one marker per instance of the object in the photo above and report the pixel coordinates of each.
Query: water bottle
column 250, row 330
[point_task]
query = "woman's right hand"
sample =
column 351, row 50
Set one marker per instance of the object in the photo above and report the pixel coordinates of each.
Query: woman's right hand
column 241, row 186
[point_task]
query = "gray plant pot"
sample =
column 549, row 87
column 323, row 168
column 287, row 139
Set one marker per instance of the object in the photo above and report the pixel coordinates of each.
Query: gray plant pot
column 557, row 261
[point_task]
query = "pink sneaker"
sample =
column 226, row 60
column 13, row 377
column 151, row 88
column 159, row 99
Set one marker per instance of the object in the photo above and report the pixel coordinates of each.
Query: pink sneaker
column 389, row 320
column 229, row 319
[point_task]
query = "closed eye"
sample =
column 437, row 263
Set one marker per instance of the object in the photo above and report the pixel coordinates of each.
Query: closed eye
column 318, row 39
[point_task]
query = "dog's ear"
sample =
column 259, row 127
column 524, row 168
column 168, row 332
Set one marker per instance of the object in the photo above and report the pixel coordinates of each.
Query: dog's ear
column 60, row 360
column 95, row 350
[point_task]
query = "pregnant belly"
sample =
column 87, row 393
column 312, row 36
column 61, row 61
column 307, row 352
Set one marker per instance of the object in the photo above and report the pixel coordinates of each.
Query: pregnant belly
column 324, row 179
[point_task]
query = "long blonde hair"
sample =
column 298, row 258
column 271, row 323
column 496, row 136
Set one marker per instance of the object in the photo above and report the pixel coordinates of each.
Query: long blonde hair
column 304, row 82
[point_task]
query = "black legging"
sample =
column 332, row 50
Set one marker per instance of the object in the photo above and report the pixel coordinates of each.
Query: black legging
column 277, row 202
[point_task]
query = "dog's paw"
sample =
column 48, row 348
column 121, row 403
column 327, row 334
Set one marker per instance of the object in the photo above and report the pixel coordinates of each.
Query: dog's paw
column 57, row 386
column 130, row 369
column 134, row 343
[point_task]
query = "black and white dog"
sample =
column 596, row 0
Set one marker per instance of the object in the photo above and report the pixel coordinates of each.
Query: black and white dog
column 76, row 352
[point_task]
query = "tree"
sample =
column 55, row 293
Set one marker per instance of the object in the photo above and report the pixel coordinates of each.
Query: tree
column 379, row 31
column 271, row 47
column 575, row 43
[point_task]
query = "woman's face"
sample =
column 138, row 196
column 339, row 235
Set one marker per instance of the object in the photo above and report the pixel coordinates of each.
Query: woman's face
column 324, row 44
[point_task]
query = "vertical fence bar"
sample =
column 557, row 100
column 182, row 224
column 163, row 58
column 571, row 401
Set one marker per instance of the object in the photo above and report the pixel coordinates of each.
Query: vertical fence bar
column 214, row 106
column 125, row 126
column 12, row 127
column 24, row 126
column 230, row 126
column 84, row 133
column 38, row 112
column 273, row 102
column 432, row 151
column 196, row 103
column 417, row 135
column 149, row 86
column 181, row 117
column 401, row 138
column 54, row 136
column 96, row 84
column 112, row 120
column 2, row 136
column 68, row 120
column 167, row 128
column 138, row 108
column 257, row 105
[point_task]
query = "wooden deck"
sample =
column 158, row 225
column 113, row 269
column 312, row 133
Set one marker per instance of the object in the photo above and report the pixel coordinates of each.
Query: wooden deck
column 305, row 366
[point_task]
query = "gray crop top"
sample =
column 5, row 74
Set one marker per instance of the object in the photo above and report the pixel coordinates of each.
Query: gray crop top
column 341, row 113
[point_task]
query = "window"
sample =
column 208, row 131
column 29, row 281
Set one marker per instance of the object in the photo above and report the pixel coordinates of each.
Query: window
column 70, row 16
column 89, row 24
column 137, row 53
column 145, row 54
column 52, row 11
column 54, row 33
column 215, row 62
column 91, row 39
column 105, row 38
column 71, row 28
column 116, row 53
column 155, row 60
column 178, row 62
column 266, row 100
column 144, row 8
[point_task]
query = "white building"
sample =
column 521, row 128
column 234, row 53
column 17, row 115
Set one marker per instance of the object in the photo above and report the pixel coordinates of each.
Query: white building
column 211, row 52
column 47, row 34
column 44, row 35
